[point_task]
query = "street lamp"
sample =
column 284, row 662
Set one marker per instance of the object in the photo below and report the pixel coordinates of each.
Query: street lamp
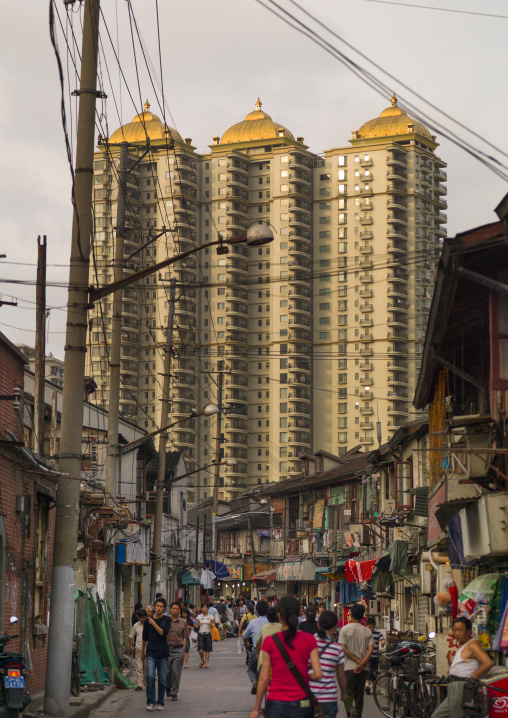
column 255, row 236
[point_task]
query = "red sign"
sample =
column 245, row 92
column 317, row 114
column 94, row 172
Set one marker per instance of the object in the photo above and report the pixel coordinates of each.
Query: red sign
column 346, row 616
column 435, row 530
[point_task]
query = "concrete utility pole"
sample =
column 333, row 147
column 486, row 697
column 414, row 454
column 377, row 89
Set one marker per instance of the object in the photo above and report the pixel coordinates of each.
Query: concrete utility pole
column 215, row 507
column 333, row 598
column 161, row 466
column 61, row 627
column 113, row 452
column 40, row 345
column 253, row 555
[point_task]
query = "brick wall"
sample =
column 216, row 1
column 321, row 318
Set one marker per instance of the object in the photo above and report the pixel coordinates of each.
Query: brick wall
column 19, row 477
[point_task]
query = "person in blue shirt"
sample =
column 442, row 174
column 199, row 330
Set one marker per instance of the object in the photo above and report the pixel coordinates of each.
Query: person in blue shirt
column 155, row 649
column 252, row 631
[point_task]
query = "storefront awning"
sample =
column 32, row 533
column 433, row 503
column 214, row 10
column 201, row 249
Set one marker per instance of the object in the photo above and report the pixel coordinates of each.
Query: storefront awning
column 266, row 576
column 323, row 573
column 189, row 577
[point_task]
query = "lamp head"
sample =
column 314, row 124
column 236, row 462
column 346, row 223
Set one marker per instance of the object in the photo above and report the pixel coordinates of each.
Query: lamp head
column 258, row 234
column 211, row 409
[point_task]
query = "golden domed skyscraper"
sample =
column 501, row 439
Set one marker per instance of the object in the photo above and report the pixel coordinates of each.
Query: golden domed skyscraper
column 312, row 337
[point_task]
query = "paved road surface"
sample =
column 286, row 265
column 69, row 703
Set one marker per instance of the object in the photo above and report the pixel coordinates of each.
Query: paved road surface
column 222, row 690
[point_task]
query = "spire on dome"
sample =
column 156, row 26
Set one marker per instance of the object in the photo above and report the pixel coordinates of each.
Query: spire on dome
column 394, row 100
column 146, row 106
column 258, row 104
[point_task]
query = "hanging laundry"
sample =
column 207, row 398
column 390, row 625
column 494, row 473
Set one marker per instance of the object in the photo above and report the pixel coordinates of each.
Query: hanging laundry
column 207, row 578
column 359, row 571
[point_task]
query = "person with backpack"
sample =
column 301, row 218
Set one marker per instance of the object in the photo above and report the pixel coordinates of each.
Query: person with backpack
column 286, row 657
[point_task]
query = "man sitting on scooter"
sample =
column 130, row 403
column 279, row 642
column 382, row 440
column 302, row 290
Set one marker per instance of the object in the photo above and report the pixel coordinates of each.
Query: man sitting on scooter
column 470, row 661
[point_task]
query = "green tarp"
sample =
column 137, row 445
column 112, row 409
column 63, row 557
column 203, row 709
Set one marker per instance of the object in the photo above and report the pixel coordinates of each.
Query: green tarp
column 100, row 649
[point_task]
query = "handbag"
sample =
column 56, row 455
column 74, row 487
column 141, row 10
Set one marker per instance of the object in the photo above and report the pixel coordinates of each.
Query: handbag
column 317, row 707
column 215, row 633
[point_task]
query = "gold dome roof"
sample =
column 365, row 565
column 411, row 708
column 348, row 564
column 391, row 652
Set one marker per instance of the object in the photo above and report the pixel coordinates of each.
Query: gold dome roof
column 392, row 121
column 143, row 125
column 256, row 126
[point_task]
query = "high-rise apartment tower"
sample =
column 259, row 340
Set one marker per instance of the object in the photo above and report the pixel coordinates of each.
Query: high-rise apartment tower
column 313, row 338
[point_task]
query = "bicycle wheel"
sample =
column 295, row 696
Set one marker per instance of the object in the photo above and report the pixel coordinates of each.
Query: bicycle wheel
column 75, row 677
column 384, row 694
column 427, row 699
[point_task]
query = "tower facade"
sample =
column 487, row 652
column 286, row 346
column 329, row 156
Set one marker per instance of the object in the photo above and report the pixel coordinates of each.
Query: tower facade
column 378, row 231
column 311, row 339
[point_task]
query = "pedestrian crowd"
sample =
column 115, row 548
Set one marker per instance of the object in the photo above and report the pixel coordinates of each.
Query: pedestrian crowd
column 300, row 659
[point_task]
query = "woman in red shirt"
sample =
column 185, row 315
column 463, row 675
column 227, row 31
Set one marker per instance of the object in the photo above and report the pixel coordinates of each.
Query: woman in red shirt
column 286, row 699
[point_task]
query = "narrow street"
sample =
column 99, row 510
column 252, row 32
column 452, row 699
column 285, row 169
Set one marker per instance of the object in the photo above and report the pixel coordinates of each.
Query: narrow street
column 223, row 690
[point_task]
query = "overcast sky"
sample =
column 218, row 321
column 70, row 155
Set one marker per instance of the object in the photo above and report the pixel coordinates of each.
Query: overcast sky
column 217, row 57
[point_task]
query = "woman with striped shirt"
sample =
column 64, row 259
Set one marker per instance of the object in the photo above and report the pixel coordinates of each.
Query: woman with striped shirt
column 331, row 657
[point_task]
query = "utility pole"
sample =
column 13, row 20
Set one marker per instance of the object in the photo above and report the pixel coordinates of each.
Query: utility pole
column 333, row 599
column 61, row 627
column 253, row 555
column 113, row 452
column 215, row 504
column 40, row 346
column 161, row 466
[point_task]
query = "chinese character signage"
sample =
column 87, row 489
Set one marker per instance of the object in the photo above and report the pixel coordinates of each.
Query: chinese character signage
column 290, row 571
column 235, row 569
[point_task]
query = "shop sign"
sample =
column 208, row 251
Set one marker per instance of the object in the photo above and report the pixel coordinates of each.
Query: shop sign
column 446, row 648
column 290, row 571
column 346, row 616
column 260, row 568
column 435, row 531
column 236, row 571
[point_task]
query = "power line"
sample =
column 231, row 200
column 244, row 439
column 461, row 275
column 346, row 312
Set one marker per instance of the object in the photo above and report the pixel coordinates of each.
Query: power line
column 441, row 9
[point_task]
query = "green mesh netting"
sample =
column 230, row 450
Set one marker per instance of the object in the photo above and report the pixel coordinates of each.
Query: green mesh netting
column 103, row 650
column 88, row 658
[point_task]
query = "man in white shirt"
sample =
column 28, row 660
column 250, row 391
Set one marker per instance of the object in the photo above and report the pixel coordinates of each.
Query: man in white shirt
column 136, row 642
column 358, row 644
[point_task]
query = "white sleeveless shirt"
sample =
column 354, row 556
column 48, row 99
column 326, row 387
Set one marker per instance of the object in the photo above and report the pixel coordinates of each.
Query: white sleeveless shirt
column 461, row 667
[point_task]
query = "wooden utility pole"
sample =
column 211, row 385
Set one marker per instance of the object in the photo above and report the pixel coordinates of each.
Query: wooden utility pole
column 61, row 627
column 161, row 466
column 40, row 346
column 253, row 555
column 113, row 454
column 333, row 598
column 216, row 478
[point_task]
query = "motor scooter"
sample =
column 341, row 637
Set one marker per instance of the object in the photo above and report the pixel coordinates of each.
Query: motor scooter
column 13, row 697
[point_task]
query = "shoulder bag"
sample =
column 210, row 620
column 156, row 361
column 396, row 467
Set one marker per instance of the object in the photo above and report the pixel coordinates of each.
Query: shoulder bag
column 317, row 707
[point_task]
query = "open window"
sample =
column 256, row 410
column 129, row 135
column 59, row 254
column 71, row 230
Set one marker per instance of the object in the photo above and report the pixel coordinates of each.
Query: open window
column 403, row 482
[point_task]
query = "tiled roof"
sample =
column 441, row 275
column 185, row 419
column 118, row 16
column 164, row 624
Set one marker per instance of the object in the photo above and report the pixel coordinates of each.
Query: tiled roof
column 352, row 468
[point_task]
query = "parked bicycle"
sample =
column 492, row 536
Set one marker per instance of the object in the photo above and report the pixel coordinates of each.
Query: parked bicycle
column 75, row 669
column 400, row 689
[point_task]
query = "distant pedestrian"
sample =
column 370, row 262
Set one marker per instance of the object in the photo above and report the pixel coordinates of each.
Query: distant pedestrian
column 177, row 638
column 286, row 698
column 379, row 642
column 273, row 626
column 331, row 657
column 155, row 648
column 190, row 623
column 204, row 623
column 136, row 643
column 358, row 644
column 135, row 615
column 310, row 625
